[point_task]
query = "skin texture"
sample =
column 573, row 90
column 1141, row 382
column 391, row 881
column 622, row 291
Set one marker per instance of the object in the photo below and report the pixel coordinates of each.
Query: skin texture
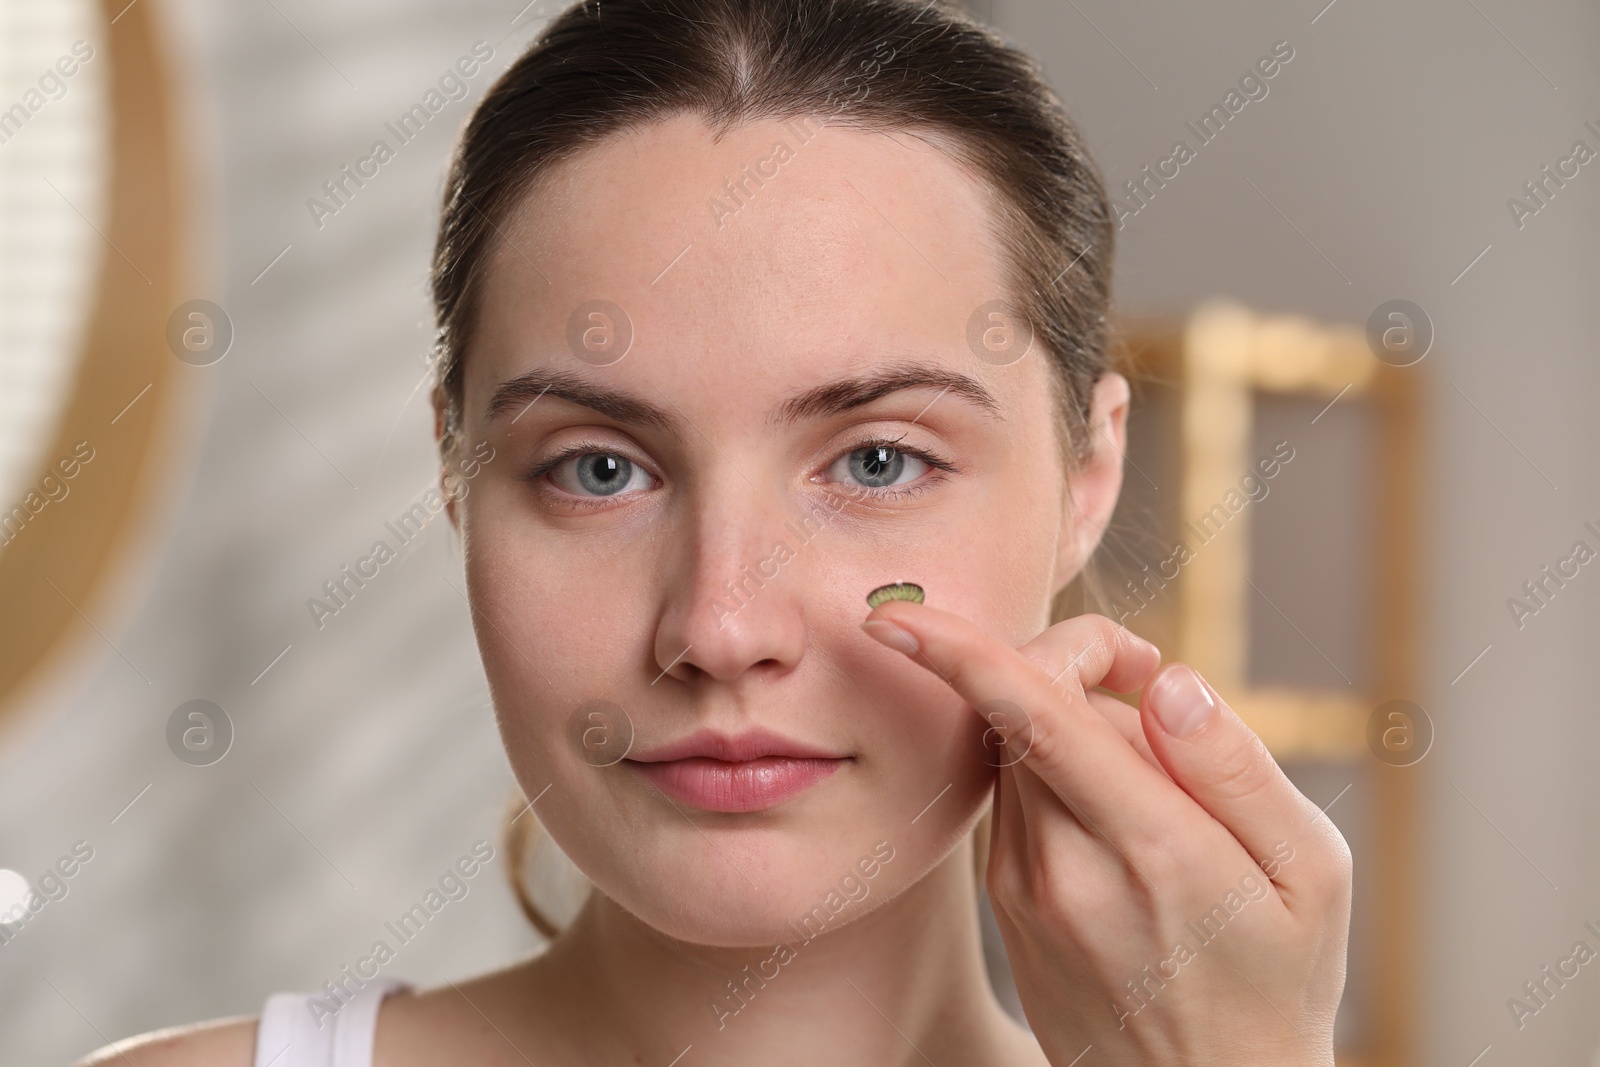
column 865, row 254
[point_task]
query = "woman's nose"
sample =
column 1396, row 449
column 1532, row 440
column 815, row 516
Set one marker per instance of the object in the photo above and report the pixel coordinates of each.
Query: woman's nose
column 736, row 598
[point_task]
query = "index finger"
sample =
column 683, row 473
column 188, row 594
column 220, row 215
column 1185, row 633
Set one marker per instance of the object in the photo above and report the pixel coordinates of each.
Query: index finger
column 1074, row 749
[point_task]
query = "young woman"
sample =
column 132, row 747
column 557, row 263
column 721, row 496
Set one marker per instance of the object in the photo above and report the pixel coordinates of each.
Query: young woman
column 761, row 305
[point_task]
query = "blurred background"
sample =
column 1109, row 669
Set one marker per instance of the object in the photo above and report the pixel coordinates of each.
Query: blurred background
column 1372, row 273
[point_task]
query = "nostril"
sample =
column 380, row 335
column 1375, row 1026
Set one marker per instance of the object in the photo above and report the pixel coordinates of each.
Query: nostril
column 687, row 671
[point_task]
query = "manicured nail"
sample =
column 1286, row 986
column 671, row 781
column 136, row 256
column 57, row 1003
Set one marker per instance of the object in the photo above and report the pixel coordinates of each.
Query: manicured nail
column 894, row 591
column 896, row 637
column 1182, row 701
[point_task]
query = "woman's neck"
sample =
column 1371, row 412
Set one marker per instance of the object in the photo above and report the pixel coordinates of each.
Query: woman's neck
column 900, row 985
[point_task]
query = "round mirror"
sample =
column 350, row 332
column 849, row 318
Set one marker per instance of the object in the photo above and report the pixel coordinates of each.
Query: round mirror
column 89, row 233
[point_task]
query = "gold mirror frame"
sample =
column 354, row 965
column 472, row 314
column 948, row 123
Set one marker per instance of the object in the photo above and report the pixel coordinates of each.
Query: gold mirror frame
column 56, row 575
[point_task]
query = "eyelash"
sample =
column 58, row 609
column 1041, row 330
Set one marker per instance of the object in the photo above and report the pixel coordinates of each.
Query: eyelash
column 891, row 492
column 580, row 448
column 932, row 459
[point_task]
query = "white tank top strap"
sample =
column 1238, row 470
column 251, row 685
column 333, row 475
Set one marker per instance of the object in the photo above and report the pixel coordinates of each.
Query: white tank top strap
column 322, row 1030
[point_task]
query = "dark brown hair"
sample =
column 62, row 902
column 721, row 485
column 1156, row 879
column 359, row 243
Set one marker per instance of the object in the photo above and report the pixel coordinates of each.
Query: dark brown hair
column 920, row 66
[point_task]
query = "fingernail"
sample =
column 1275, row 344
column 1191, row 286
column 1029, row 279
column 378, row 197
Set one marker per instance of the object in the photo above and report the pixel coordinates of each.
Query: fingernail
column 1182, row 701
column 896, row 637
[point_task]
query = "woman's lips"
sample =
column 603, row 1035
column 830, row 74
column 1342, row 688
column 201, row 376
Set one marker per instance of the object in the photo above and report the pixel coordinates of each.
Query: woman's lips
column 743, row 785
column 749, row 771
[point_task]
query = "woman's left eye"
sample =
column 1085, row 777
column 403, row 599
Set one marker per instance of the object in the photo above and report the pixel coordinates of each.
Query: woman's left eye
column 882, row 465
column 595, row 475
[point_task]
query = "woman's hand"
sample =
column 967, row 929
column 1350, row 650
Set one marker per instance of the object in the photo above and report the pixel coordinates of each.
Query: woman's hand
column 1167, row 897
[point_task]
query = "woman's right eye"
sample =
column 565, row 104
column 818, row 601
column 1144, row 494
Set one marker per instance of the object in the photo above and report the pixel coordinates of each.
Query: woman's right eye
column 597, row 474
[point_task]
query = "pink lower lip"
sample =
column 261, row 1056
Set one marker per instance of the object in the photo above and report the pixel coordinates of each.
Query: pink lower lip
column 749, row 785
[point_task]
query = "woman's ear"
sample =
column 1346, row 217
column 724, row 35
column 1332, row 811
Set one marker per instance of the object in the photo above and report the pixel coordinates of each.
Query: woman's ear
column 1093, row 488
column 444, row 467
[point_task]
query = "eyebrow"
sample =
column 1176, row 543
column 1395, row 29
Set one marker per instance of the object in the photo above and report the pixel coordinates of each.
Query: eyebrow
column 839, row 396
column 831, row 398
column 524, row 389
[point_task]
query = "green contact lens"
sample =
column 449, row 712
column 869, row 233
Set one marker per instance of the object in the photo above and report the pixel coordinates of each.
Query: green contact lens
column 894, row 591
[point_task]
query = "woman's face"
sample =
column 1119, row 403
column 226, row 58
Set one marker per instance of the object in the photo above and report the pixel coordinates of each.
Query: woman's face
column 701, row 557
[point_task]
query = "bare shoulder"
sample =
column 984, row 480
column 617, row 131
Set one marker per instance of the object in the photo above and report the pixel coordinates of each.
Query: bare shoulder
column 475, row 1019
column 229, row 1042
column 415, row 1027
column 416, row 1013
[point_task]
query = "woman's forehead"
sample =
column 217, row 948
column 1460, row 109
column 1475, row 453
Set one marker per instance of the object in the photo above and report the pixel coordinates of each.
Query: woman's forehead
column 784, row 240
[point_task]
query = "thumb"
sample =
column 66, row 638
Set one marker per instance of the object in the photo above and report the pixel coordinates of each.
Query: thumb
column 1220, row 762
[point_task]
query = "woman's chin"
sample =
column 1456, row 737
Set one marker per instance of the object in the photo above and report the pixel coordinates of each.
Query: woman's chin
column 756, row 900
column 724, row 920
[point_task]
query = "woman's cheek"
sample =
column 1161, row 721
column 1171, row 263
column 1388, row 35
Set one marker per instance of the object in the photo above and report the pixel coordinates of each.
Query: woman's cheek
column 519, row 643
column 938, row 786
column 559, row 630
column 518, row 573
column 926, row 739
